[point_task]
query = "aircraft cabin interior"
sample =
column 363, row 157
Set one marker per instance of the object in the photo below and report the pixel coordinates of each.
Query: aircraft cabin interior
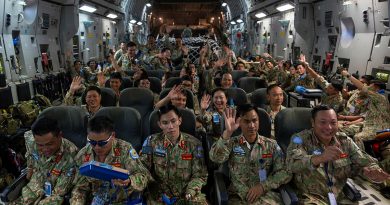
column 195, row 102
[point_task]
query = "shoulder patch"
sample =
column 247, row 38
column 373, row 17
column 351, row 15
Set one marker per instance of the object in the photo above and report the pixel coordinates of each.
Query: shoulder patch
column 297, row 140
column 133, row 154
column 199, row 152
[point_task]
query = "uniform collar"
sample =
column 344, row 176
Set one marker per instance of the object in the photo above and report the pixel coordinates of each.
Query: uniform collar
column 243, row 141
column 181, row 142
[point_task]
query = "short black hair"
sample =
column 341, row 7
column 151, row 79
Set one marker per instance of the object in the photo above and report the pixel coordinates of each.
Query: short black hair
column 167, row 108
column 44, row 125
column 165, row 49
column 219, row 89
column 100, row 124
column 89, row 62
column 319, row 108
column 239, row 62
column 337, row 84
column 245, row 108
column 272, row 86
column 116, row 75
column 131, row 44
column 76, row 61
column 381, row 85
column 93, row 87
column 368, row 78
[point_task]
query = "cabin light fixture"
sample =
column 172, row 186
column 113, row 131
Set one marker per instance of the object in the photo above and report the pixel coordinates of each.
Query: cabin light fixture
column 88, row 8
column 21, row 2
column 112, row 16
column 260, row 15
column 133, row 21
column 139, row 23
column 347, row 2
column 233, row 22
column 285, row 7
column 148, row 4
column 224, row 4
column 240, row 21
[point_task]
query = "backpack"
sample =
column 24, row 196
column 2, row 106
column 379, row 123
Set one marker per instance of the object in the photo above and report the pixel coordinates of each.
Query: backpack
column 26, row 111
column 42, row 101
column 8, row 124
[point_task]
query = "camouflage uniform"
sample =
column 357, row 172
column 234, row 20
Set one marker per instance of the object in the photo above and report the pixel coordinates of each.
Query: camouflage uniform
column 304, row 80
column 357, row 105
column 122, row 155
column 311, row 182
column 334, row 101
column 272, row 115
column 178, row 169
column 158, row 65
column 178, row 58
column 126, row 63
column 376, row 119
column 58, row 170
column 276, row 76
column 245, row 163
column 212, row 128
column 89, row 75
column 289, row 80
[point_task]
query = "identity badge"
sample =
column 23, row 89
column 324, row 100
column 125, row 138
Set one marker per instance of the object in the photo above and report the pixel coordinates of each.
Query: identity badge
column 332, row 199
column 262, row 175
column 47, row 189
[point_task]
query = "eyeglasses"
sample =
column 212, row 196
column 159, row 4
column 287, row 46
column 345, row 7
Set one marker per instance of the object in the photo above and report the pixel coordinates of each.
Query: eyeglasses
column 100, row 143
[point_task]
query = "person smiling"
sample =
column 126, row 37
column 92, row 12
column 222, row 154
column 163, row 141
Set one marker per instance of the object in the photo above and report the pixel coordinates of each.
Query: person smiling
column 322, row 159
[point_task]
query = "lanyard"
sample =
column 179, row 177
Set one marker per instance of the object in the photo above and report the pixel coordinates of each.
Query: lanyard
column 329, row 177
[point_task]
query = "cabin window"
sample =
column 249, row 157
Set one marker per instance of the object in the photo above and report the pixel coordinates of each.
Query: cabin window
column 387, row 60
column 304, row 12
column 347, row 32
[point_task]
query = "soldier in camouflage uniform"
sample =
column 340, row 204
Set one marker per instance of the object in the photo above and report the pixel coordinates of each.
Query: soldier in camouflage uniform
column 176, row 161
column 275, row 98
column 50, row 162
column 332, row 96
column 211, row 115
column 256, row 163
column 104, row 147
column 92, row 98
column 129, row 61
column 303, row 79
column 322, row 159
column 162, row 61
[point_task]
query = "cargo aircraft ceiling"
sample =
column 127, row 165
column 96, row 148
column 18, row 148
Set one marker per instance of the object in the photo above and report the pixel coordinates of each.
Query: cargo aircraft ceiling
column 183, row 12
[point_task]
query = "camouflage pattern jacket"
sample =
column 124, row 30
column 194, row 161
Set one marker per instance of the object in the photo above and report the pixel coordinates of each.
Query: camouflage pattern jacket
column 122, row 155
column 334, row 101
column 311, row 182
column 245, row 163
column 58, row 170
column 179, row 169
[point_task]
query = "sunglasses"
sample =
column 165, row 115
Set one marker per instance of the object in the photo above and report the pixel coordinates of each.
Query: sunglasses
column 100, row 143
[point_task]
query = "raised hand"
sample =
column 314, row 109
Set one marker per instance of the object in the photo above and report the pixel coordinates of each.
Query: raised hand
column 101, row 79
column 376, row 175
column 205, row 101
column 75, row 85
column 231, row 124
column 173, row 92
column 302, row 58
column 331, row 153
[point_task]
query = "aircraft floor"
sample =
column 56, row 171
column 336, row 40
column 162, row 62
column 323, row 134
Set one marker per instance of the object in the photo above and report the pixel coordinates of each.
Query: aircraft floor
column 369, row 192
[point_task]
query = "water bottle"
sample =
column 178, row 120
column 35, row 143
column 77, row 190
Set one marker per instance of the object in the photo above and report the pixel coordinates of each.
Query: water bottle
column 216, row 124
